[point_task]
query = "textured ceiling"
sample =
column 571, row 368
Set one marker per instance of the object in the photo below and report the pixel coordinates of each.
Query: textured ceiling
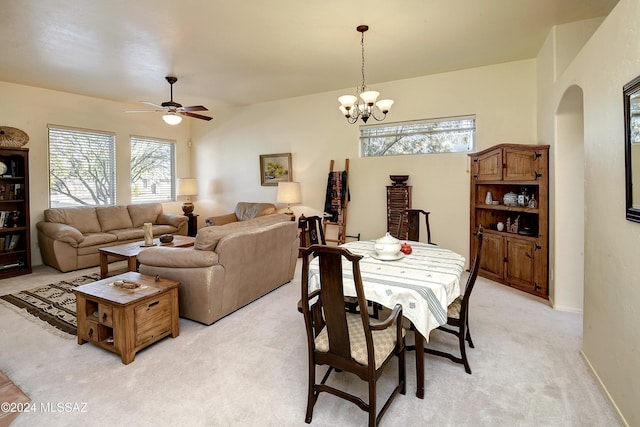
column 240, row 52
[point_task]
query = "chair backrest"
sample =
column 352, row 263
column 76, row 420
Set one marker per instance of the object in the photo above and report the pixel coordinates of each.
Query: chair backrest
column 473, row 273
column 413, row 225
column 311, row 231
column 329, row 309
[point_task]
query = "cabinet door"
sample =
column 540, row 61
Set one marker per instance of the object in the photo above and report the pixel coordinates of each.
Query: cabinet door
column 519, row 262
column 519, row 165
column 488, row 166
column 492, row 259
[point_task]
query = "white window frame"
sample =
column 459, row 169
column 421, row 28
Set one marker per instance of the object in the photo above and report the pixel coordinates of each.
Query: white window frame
column 441, row 135
column 81, row 167
column 158, row 182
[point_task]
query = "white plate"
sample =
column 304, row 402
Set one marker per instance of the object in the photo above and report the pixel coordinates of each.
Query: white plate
column 395, row 257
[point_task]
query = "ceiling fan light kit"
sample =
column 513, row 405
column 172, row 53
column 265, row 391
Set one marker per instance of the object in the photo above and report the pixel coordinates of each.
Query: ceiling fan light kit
column 172, row 118
column 353, row 108
column 172, row 110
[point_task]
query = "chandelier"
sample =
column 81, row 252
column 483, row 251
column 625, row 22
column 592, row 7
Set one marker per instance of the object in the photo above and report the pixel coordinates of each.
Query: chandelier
column 365, row 107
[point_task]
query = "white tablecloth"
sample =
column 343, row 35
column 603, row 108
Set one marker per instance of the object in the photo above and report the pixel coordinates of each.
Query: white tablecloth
column 424, row 282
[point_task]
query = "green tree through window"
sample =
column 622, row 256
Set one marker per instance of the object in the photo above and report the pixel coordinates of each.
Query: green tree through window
column 446, row 135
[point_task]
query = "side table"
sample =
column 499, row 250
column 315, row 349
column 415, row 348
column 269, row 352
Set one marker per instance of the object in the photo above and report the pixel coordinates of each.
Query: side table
column 192, row 225
column 125, row 321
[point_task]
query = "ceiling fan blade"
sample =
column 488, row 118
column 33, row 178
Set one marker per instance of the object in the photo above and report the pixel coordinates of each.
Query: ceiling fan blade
column 194, row 108
column 196, row 116
column 152, row 104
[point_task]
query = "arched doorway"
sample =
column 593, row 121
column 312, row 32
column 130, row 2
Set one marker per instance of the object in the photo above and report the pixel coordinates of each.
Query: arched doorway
column 567, row 226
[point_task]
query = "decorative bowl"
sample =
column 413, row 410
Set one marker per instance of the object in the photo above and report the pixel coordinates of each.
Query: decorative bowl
column 399, row 179
column 166, row 238
column 387, row 246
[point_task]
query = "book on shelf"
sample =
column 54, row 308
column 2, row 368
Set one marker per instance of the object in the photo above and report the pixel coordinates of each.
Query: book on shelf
column 13, row 242
column 9, row 218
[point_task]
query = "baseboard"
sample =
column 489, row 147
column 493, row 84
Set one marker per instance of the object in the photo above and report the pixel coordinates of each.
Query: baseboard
column 604, row 389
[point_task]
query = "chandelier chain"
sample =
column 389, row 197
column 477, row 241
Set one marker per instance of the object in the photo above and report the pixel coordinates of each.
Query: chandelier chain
column 362, row 45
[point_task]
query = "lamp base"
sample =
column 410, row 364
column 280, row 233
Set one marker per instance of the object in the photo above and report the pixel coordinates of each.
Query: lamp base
column 187, row 208
column 290, row 213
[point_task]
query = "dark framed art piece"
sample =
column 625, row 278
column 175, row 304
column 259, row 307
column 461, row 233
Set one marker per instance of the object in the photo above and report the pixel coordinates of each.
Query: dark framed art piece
column 631, row 99
column 275, row 168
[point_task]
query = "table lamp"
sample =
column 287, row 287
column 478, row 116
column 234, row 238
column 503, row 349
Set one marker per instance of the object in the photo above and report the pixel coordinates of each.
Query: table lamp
column 187, row 187
column 289, row 192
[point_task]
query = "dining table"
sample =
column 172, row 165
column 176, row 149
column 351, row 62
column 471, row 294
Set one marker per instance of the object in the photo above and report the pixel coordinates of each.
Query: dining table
column 424, row 282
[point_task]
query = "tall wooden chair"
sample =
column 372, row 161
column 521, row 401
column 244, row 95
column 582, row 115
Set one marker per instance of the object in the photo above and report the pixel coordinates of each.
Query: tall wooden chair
column 458, row 314
column 413, row 225
column 345, row 341
column 311, row 231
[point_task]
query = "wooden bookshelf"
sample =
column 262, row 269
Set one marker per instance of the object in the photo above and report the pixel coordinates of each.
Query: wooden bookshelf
column 15, row 228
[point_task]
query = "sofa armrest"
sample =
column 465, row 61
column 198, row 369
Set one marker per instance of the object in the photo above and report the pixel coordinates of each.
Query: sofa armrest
column 177, row 257
column 171, row 219
column 221, row 219
column 62, row 232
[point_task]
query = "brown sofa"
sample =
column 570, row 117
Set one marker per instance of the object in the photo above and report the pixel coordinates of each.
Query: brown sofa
column 229, row 266
column 69, row 238
column 243, row 211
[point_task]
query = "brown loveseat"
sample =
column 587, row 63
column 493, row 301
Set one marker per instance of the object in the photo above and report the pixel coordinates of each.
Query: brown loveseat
column 243, row 212
column 229, row 266
column 69, row 238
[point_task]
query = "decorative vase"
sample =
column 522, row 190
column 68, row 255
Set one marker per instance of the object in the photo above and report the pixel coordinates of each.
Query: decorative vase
column 489, row 199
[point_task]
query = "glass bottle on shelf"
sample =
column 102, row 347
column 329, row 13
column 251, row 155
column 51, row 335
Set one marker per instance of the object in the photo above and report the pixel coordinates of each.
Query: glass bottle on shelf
column 533, row 203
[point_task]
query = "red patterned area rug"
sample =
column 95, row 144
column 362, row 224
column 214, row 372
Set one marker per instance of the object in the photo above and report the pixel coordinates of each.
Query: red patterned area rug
column 54, row 303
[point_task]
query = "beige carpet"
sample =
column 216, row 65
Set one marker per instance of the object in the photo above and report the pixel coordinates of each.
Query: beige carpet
column 249, row 369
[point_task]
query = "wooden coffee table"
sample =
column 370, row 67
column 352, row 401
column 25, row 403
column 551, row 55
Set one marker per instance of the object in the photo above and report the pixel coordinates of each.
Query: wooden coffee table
column 125, row 321
column 130, row 251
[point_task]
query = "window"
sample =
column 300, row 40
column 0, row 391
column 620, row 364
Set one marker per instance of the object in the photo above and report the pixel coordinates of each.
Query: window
column 152, row 170
column 445, row 135
column 81, row 167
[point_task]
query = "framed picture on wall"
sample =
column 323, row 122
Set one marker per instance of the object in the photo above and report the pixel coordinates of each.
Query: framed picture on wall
column 275, row 168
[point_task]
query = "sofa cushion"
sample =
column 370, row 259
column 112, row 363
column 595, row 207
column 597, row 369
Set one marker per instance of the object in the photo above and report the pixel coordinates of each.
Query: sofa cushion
column 249, row 210
column 208, row 237
column 114, row 217
column 83, row 218
column 128, row 234
column 144, row 212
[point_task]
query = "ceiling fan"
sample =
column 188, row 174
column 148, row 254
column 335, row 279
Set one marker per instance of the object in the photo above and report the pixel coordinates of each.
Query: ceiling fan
column 172, row 109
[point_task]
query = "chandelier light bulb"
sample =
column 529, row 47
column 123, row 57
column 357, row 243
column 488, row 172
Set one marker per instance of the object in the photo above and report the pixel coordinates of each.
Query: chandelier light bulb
column 384, row 105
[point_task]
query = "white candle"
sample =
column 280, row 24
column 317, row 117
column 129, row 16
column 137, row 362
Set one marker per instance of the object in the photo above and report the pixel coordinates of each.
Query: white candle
column 148, row 233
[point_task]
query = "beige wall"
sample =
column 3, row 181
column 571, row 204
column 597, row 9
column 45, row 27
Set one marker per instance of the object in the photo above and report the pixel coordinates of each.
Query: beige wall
column 611, row 243
column 312, row 129
column 32, row 109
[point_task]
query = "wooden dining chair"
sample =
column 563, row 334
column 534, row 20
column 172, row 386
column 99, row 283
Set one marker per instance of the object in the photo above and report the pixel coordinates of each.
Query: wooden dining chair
column 413, row 225
column 458, row 314
column 344, row 341
column 311, row 230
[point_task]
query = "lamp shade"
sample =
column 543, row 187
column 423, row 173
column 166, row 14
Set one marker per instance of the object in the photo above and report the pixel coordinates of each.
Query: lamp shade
column 171, row 118
column 187, row 187
column 289, row 192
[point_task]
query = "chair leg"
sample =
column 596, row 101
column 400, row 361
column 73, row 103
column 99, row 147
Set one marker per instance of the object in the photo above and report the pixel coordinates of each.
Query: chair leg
column 402, row 369
column 311, row 397
column 463, row 350
column 372, row 402
column 468, row 334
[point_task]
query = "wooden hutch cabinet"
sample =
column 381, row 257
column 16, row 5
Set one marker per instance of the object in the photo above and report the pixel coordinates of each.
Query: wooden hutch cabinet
column 515, row 250
column 15, row 229
column 398, row 201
